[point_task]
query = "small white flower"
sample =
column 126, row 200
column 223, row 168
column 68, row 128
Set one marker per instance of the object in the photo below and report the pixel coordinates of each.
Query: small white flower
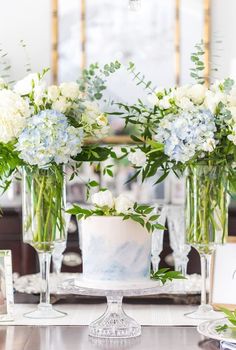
column 137, row 158
column 102, row 120
column 123, row 204
column 196, row 93
column 61, row 105
column 209, row 145
column 70, row 90
column 27, row 84
column 164, row 103
column 103, row 199
column 53, row 92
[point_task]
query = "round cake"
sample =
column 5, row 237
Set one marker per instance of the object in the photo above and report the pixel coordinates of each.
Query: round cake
column 114, row 249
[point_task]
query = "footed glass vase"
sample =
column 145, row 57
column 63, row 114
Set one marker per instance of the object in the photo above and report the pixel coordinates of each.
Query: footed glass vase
column 206, row 220
column 44, row 224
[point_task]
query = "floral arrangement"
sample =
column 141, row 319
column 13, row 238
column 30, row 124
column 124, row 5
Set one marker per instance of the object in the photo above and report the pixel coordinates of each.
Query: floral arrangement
column 184, row 125
column 42, row 126
column 106, row 205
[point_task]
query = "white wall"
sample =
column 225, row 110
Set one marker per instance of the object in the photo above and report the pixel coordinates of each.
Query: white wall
column 223, row 29
column 27, row 20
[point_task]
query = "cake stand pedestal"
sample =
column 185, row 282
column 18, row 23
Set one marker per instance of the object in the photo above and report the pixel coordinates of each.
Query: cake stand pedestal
column 114, row 323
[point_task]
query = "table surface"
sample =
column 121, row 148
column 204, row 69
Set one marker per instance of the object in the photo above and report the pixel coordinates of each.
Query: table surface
column 76, row 337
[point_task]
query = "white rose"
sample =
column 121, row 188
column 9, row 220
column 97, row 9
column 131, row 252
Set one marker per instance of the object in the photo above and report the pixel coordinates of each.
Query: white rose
column 13, row 113
column 123, row 204
column 181, row 92
column 53, row 92
column 61, row 105
column 213, row 99
column 103, row 199
column 184, row 103
column 197, row 93
column 102, row 120
column 70, row 90
column 138, row 158
column 25, row 85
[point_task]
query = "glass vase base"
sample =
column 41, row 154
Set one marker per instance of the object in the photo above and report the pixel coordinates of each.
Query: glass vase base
column 204, row 312
column 114, row 325
column 45, row 311
column 227, row 346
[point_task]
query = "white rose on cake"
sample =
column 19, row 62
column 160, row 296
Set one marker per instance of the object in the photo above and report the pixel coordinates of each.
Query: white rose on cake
column 137, row 158
column 103, row 199
column 70, row 90
column 123, row 204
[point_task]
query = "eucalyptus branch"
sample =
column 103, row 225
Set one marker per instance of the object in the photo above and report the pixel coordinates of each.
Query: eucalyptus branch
column 140, row 78
column 199, row 66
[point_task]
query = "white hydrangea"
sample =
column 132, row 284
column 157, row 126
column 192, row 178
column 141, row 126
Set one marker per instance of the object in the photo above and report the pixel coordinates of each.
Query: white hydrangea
column 29, row 83
column 123, row 204
column 185, row 134
column 137, row 158
column 48, row 138
column 103, row 199
column 70, row 90
column 13, row 113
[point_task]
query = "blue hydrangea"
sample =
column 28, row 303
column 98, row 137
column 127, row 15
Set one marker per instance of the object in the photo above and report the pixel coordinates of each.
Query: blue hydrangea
column 185, row 134
column 48, row 138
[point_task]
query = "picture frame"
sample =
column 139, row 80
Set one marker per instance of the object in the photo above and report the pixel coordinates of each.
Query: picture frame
column 6, row 286
column 223, row 277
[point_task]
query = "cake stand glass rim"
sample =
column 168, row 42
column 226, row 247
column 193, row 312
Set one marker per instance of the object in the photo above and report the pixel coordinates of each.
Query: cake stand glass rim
column 79, row 286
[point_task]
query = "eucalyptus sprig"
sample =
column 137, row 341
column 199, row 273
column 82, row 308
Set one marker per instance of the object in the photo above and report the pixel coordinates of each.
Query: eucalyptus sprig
column 199, row 66
column 93, row 79
column 165, row 274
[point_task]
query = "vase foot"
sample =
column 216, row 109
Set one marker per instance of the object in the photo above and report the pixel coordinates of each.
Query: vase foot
column 45, row 311
column 204, row 312
column 114, row 323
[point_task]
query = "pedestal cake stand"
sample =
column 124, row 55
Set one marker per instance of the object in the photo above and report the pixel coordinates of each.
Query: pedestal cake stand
column 114, row 323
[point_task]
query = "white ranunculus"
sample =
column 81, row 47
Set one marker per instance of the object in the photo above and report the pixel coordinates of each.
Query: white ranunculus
column 70, row 90
column 197, row 93
column 103, row 199
column 102, row 120
column 53, row 92
column 13, row 113
column 61, row 105
column 123, row 204
column 137, row 158
column 25, row 85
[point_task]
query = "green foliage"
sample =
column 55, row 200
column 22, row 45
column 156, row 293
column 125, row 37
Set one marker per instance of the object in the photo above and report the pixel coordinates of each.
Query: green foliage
column 9, row 161
column 93, row 79
column 93, row 153
column 231, row 316
column 165, row 274
column 199, row 67
column 140, row 78
column 139, row 214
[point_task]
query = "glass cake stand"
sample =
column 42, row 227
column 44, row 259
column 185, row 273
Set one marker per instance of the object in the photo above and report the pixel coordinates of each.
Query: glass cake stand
column 114, row 323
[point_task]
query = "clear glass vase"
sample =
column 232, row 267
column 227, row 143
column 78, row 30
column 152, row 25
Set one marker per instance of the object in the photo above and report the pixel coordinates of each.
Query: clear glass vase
column 206, row 220
column 44, row 224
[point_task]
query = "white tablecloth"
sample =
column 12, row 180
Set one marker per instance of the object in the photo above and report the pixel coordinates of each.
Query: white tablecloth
column 84, row 314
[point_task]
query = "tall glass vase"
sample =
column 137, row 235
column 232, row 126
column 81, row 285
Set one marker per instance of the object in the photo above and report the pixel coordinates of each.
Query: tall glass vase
column 206, row 219
column 44, row 224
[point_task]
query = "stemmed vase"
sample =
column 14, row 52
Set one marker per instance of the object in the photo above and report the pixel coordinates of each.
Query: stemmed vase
column 206, row 220
column 44, row 224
